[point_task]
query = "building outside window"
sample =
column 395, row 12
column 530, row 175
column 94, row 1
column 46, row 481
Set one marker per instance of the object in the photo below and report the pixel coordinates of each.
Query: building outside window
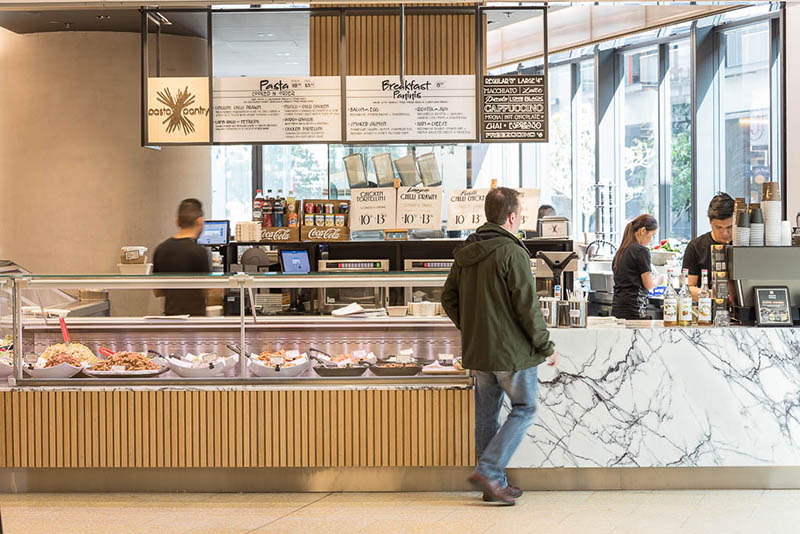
column 679, row 152
column 639, row 119
column 744, row 72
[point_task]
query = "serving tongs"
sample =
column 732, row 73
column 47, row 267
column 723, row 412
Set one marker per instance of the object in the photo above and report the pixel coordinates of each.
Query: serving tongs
column 319, row 356
column 237, row 349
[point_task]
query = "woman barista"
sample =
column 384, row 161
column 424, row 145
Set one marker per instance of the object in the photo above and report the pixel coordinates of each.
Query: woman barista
column 633, row 278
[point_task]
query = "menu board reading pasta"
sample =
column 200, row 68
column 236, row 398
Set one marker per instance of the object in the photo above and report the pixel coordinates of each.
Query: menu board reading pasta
column 270, row 110
column 514, row 108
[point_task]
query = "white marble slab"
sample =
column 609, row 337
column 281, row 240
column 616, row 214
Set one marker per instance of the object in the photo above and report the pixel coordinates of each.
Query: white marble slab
column 668, row 397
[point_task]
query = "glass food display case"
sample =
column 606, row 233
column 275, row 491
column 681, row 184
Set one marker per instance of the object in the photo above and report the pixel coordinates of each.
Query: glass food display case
column 136, row 346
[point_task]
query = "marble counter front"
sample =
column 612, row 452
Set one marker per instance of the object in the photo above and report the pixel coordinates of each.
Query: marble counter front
column 668, row 397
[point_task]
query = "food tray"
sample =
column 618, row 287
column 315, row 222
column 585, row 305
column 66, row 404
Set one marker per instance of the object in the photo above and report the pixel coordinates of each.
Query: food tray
column 409, row 370
column 221, row 366
column 125, row 374
column 340, row 371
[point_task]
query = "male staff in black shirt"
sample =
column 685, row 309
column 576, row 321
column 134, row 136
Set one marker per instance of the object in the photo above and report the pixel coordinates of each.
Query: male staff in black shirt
column 698, row 252
column 181, row 254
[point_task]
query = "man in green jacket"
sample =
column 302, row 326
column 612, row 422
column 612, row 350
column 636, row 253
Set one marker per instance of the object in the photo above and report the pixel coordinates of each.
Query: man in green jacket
column 490, row 295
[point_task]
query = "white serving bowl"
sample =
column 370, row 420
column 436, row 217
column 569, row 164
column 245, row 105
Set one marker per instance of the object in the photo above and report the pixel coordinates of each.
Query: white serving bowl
column 62, row 370
column 261, row 369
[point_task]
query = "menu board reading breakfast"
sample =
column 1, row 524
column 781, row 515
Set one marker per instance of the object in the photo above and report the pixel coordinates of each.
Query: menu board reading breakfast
column 420, row 108
column 514, row 108
column 267, row 110
column 419, row 208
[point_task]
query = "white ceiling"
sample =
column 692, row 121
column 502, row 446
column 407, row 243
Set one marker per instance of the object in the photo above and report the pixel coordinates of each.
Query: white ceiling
column 260, row 44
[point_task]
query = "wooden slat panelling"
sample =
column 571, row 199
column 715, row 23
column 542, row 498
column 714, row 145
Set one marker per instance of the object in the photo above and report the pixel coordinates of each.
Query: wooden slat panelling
column 435, row 44
column 313, row 428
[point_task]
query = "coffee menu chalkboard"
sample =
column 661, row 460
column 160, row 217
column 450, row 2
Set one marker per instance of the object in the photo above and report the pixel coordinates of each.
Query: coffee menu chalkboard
column 772, row 306
column 514, row 108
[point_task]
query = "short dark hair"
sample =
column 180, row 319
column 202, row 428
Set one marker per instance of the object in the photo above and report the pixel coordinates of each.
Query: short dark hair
column 721, row 207
column 189, row 211
column 546, row 210
column 500, row 203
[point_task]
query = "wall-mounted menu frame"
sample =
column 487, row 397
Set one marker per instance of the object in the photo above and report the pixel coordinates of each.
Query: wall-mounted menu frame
column 773, row 306
column 474, row 32
column 278, row 109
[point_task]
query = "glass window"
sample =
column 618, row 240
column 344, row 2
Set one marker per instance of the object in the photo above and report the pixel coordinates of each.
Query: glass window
column 639, row 96
column 299, row 168
column 680, row 153
column 548, row 166
column 499, row 161
column 745, row 103
column 232, row 183
column 585, row 164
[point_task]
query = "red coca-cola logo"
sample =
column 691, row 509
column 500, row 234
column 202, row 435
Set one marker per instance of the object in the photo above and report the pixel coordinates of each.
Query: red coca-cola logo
column 327, row 233
column 281, row 234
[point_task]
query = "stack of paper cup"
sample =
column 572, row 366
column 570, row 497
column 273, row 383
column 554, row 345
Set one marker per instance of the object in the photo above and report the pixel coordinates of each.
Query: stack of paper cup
column 786, row 234
column 741, row 236
column 741, row 233
column 756, row 227
column 773, row 216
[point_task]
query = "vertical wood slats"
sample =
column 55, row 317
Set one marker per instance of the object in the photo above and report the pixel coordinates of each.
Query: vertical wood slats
column 303, row 428
column 435, row 44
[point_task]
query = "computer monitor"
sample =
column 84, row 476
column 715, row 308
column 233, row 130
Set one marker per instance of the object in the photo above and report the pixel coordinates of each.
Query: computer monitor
column 215, row 233
column 295, row 262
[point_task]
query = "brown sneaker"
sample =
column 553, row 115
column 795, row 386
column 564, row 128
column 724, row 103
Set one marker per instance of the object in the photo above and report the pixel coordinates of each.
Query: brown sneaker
column 512, row 490
column 492, row 489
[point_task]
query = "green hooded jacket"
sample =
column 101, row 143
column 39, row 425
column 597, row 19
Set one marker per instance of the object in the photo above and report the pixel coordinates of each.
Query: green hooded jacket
column 490, row 295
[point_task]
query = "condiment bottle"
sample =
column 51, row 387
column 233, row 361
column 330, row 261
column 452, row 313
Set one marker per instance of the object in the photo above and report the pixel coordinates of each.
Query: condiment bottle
column 685, row 301
column 670, row 302
column 704, row 302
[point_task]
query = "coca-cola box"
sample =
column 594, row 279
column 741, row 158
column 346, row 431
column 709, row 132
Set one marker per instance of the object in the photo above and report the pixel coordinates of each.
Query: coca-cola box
column 280, row 235
column 326, row 233
column 325, row 220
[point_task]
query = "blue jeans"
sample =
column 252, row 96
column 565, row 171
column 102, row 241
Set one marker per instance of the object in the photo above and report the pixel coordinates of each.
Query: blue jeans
column 495, row 444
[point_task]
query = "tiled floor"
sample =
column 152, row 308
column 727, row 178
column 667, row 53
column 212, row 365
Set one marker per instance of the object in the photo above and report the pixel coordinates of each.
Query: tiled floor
column 612, row 512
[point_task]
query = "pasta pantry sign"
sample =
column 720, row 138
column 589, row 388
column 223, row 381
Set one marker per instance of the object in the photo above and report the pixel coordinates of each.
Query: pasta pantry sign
column 178, row 110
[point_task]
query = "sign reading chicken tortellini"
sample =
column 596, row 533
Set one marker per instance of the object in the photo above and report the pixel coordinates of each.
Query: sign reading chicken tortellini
column 373, row 208
column 178, row 110
column 419, row 208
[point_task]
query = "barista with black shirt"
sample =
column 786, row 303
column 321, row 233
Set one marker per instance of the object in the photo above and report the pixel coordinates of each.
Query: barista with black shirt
column 633, row 276
column 181, row 254
column 698, row 252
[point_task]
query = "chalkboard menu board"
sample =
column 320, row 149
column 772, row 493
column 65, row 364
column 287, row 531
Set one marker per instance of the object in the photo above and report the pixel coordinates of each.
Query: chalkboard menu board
column 514, row 108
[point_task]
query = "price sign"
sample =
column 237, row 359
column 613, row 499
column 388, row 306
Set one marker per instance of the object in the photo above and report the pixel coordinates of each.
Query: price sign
column 419, row 208
column 529, row 199
column 373, row 209
column 465, row 209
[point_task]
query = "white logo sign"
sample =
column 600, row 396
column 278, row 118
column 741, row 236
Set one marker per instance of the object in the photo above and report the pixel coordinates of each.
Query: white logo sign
column 281, row 234
column 326, row 234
